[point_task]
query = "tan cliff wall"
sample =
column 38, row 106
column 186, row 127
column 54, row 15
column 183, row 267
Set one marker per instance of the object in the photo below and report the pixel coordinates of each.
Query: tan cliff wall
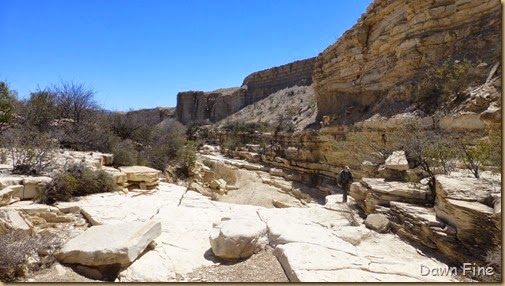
column 214, row 106
column 153, row 116
column 219, row 104
column 263, row 83
column 395, row 42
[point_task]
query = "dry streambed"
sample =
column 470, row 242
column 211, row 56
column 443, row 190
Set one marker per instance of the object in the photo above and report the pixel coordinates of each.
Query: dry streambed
column 311, row 242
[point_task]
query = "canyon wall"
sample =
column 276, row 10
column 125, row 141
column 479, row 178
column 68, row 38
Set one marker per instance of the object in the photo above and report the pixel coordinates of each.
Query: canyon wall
column 152, row 116
column 263, row 83
column 213, row 106
column 218, row 104
column 393, row 45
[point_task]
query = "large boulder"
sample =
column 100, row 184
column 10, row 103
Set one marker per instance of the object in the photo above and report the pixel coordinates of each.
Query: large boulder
column 370, row 193
column 110, row 244
column 209, row 176
column 218, row 184
column 469, row 205
column 34, row 186
column 397, row 161
column 118, row 176
column 234, row 239
column 377, row 222
column 10, row 181
column 10, row 194
column 141, row 174
column 11, row 220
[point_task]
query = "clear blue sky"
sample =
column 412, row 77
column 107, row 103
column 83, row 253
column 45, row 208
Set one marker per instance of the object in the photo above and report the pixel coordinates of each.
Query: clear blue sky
column 141, row 53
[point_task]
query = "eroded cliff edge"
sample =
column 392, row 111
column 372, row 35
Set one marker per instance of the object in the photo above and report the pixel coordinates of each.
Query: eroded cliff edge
column 218, row 104
column 375, row 63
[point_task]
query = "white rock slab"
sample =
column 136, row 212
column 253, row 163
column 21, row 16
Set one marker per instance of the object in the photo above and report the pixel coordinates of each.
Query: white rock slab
column 110, row 244
column 140, row 173
column 150, row 267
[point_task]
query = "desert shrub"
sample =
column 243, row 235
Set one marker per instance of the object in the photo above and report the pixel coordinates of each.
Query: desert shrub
column 196, row 130
column 292, row 110
column 167, row 139
column 16, row 247
column 7, row 99
column 30, row 151
column 283, row 123
column 128, row 126
column 186, row 159
column 232, row 143
column 40, row 110
column 441, row 152
column 74, row 101
column 442, row 81
column 124, row 153
column 77, row 180
column 3, row 156
column 61, row 189
column 484, row 152
column 369, row 145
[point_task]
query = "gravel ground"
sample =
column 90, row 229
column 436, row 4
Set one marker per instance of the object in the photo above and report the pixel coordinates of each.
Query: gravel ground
column 261, row 267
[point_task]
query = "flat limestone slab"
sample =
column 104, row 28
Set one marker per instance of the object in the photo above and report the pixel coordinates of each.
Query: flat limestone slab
column 110, row 244
column 140, row 173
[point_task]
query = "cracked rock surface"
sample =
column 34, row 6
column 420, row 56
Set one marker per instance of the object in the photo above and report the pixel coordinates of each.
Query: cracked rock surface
column 315, row 243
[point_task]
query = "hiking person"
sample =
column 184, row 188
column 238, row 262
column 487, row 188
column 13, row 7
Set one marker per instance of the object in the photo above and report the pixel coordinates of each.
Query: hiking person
column 345, row 180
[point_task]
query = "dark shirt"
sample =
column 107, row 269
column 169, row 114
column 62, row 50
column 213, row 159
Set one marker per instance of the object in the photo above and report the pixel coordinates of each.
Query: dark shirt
column 345, row 178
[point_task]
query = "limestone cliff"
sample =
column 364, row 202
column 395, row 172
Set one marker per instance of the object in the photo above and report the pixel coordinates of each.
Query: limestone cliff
column 263, row 83
column 394, row 43
column 214, row 106
column 218, row 104
column 152, row 116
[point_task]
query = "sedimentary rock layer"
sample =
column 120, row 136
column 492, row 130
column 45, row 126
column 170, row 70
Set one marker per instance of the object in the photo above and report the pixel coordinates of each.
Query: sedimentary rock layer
column 395, row 42
column 263, row 83
column 215, row 105
column 218, row 104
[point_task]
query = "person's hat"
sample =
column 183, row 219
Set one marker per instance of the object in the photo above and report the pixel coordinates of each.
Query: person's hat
column 347, row 168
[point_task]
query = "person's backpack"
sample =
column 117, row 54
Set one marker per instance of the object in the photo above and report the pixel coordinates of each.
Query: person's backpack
column 342, row 178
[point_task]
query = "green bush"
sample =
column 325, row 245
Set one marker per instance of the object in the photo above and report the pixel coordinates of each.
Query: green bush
column 7, row 99
column 442, row 81
column 124, row 153
column 40, row 110
column 77, row 180
column 186, row 159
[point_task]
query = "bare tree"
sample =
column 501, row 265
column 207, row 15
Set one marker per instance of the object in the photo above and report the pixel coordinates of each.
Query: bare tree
column 74, row 101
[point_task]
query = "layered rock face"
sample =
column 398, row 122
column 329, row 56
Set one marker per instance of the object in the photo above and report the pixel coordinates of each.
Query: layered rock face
column 214, row 106
column 152, row 115
column 393, row 45
column 218, row 104
column 263, row 83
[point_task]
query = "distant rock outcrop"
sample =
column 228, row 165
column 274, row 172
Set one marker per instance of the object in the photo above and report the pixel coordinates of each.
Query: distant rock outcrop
column 218, row 104
column 214, row 106
column 394, row 43
column 153, row 116
column 263, row 83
